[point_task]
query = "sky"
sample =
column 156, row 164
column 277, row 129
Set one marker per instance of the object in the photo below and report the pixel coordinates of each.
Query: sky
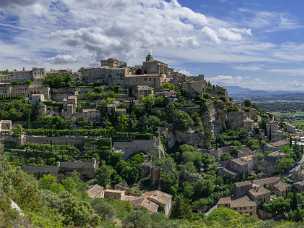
column 257, row 44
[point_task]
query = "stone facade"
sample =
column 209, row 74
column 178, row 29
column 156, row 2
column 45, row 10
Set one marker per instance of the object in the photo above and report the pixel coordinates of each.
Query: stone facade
column 92, row 115
column 142, row 91
column 242, row 165
column 24, row 75
column 6, row 127
column 243, row 205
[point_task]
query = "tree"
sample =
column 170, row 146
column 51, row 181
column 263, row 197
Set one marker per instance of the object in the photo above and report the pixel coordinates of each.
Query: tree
column 49, row 182
column 104, row 175
column 137, row 219
column 62, row 80
column 278, row 206
column 182, row 120
column 204, row 187
column 168, row 175
column 123, row 122
column 75, row 212
column 182, row 208
column 53, row 122
column 104, row 209
column 247, row 103
column 284, row 164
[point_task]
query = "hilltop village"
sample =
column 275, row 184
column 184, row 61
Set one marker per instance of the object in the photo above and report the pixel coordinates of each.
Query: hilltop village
column 151, row 137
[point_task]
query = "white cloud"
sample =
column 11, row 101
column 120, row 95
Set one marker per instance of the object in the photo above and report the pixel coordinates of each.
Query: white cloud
column 211, row 34
column 6, row 3
column 73, row 33
column 62, row 59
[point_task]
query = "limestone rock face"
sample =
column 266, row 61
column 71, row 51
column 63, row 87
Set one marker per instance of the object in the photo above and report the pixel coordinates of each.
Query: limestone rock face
column 235, row 120
column 190, row 137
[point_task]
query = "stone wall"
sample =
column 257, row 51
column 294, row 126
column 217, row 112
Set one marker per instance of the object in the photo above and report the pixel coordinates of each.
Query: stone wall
column 131, row 147
column 62, row 140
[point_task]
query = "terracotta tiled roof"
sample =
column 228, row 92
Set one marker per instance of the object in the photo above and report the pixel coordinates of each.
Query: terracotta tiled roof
column 224, row 201
column 259, row 191
column 267, row 181
column 243, row 183
column 280, row 143
column 158, row 196
column 145, row 203
column 244, row 201
column 95, row 191
column 281, row 186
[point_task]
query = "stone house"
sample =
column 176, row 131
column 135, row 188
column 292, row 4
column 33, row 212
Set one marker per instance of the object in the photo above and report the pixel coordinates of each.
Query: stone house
column 242, row 165
column 92, row 115
column 280, row 189
column 243, row 205
column 152, row 80
column 152, row 66
column 226, row 173
column 6, row 127
column 37, row 99
column 163, row 200
column 142, row 91
column 143, row 202
column 166, row 93
column 61, row 94
column 195, row 86
column 271, row 160
column 259, row 194
column 154, row 201
column 241, row 188
column 299, row 186
column 114, row 194
column 25, row 75
column 96, row 191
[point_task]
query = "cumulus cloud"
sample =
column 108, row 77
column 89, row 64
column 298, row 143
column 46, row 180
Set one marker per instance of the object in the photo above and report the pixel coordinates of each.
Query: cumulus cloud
column 211, row 34
column 76, row 33
column 17, row 2
column 62, row 59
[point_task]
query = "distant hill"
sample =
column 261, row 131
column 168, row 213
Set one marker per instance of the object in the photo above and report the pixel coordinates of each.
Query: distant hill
column 240, row 93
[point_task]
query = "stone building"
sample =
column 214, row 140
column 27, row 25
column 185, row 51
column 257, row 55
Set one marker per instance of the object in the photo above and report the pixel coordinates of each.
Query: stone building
column 37, row 99
column 195, row 86
column 241, row 188
column 95, row 192
column 116, row 73
column 6, row 127
column 142, row 91
column 243, row 205
column 242, row 165
column 299, row 186
column 152, row 66
column 24, row 75
column 61, row 94
column 163, row 200
column 259, row 194
column 153, row 80
column 92, row 115
column 114, row 194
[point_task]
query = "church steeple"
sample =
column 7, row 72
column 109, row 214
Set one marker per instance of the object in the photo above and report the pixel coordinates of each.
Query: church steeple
column 149, row 57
